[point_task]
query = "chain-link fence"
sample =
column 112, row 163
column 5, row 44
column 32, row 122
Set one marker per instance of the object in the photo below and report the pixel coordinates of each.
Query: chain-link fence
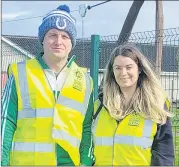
column 18, row 48
column 146, row 42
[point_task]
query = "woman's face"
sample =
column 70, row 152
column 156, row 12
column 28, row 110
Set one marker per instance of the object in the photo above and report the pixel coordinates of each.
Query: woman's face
column 126, row 72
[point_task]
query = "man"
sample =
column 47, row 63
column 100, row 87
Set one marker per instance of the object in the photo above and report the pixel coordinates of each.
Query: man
column 47, row 102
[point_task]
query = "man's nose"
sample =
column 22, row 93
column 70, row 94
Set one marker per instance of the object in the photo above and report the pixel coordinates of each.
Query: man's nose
column 58, row 40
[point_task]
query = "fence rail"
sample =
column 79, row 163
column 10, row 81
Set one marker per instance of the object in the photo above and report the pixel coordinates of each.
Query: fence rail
column 18, row 48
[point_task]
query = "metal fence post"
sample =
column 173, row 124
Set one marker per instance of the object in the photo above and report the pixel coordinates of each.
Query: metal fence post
column 94, row 62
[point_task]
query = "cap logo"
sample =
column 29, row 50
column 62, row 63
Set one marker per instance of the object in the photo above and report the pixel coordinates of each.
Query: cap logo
column 58, row 24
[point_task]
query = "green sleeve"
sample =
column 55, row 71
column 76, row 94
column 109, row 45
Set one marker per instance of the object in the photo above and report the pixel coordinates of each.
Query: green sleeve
column 8, row 119
column 86, row 146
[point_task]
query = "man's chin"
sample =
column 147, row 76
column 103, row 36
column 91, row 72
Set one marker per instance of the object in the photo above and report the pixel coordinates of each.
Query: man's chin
column 59, row 55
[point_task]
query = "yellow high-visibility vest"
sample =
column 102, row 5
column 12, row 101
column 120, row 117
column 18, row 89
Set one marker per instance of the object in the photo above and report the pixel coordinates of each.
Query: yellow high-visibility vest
column 42, row 121
column 127, row 143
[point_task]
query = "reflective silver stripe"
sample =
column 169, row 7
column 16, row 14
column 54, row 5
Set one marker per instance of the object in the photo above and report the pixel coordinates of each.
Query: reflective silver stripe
column 59, row 134
column 144, row 142
column 33, row 147
column 22, row 76
column 71, row 104
column 88, row 90
column 82, row 107
column 27, row 111
column 128, row 140
column 35, row 113
column 103, row 141
column 147, row 131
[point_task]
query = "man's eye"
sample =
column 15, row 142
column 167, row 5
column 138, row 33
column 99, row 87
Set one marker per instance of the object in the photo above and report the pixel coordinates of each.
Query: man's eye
column 52, row 35
column 65, row 37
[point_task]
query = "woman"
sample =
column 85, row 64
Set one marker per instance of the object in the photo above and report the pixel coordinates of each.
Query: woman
column 131, row 120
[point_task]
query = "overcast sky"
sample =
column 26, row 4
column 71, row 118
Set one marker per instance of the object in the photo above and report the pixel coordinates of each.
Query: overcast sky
column 106, row 19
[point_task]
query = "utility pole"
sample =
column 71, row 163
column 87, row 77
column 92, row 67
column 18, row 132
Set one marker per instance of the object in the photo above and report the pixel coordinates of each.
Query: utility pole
column 159, row 35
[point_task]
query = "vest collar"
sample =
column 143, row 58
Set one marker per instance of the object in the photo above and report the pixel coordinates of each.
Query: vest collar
column 45, row 66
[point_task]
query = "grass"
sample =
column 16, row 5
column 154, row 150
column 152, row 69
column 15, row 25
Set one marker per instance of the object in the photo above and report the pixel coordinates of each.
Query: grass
column 175, row 129
column 176, row 143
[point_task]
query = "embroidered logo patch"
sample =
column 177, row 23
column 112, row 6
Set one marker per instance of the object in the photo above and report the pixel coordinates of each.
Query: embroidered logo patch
column 58, row 24
column 78, row 80
column 78, row 74
column 77, row 85
column 134, row 120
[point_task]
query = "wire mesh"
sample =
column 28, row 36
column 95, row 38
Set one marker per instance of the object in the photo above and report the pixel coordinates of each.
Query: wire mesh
column 19, row 48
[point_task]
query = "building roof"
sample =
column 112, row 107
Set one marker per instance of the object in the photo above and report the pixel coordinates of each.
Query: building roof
column 83, row 50
column 17, row 47
column 28, row 43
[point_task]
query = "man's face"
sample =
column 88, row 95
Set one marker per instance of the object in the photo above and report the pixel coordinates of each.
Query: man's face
column 57, row 44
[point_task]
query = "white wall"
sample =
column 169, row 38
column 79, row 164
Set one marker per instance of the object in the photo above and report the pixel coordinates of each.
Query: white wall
column 169, row 81
column 10, row 55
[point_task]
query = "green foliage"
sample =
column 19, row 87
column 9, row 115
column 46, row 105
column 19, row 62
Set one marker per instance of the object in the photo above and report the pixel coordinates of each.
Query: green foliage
column 175, row 129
